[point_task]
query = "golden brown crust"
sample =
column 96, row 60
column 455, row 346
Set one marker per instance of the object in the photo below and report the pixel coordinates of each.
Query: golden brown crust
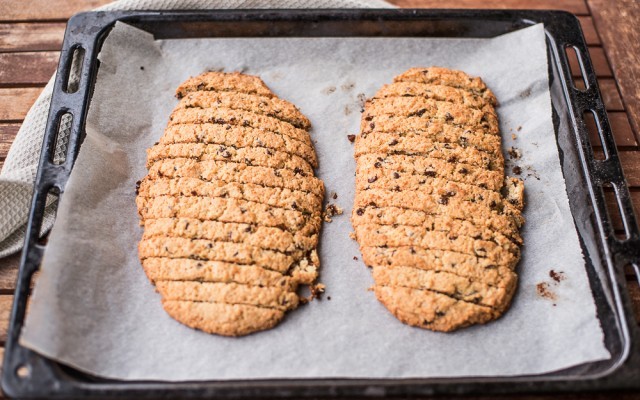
column 448, row 77
column 431, row 111
column 228, row 210
column 479, row 269
column 396, row 216
column 270, row 106
column 223, row 319
column 230, row 206
column 184, row 269
column 432, row 310
column 443, row 151
column 253, row 234
column 435, row 92
column 273, row 196
column 227, row 116
column 211, row 170
column 458, row 287
column 433, row 214
column 237, row 137
column 228, row 293
column 224, row 82
column 432, row 167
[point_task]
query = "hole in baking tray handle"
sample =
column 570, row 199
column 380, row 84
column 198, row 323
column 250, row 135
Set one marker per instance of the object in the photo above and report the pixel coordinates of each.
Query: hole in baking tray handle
column 50, row 204
column 23, row 371
column 58, row 152
column 614, row 209
column 74, row 67
column 577, row 68
column 593, row 128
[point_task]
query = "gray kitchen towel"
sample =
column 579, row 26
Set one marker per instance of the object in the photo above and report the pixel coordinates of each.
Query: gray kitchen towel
column 19, row 171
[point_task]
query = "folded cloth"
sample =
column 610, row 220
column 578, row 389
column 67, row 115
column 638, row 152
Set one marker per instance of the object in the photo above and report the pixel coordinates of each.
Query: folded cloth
column 19, row 171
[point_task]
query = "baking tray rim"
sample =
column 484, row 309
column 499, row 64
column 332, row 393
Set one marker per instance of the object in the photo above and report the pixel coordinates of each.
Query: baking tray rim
column 108, row 19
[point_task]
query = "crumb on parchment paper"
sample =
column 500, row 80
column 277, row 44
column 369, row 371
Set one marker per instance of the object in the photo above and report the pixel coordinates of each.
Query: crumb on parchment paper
column 330, row 211
column 515, row 153
column 546, row 289
column 316, row 291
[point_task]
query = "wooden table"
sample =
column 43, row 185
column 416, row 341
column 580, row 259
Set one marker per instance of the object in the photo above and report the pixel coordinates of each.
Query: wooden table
column 31, row 34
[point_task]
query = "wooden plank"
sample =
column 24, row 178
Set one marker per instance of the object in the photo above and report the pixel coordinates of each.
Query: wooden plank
column 634, row 293
column 599, row 61
column 610, row 94
column 620, row 128
column 617, row 23
column 31, row 36
column 630, row 161
column 612, row 205
column 14, row 103
column 574, row 6
column 39, row 10
column 589, row 30
column 32, row 68
column 5, row 311
column 7, row 134
column 9, row 273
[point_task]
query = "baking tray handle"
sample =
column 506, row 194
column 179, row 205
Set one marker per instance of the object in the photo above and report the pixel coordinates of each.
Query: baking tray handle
column 63, row 136
column 605, row 174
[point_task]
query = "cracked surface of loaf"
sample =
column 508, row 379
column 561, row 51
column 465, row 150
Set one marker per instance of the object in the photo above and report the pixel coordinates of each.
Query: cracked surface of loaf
column 230, row 207
column 434, row 215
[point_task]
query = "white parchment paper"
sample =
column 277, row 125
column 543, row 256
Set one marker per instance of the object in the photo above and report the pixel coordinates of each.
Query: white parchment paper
column 93, row 308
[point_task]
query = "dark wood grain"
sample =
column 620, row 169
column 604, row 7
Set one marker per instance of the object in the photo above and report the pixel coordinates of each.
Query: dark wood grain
column 589, row 30
column 9, row 273
column 47, row 10
column 41, row 36
column 7, row 134
column 634, row 293
column 620, row 128
column 575, row 6
column 610, row 94
column 630, row 161
column 27, row 69
column 5, row 310
column 617, row 22
column 612, row 204
column 15, row 102
column 599, row 61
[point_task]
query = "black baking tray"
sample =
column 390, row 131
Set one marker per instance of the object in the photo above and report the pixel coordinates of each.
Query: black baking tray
column 27, row 374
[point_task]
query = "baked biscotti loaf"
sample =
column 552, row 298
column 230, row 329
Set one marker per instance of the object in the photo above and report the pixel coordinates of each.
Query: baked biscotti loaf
column 434, row 215
column 230, row 206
